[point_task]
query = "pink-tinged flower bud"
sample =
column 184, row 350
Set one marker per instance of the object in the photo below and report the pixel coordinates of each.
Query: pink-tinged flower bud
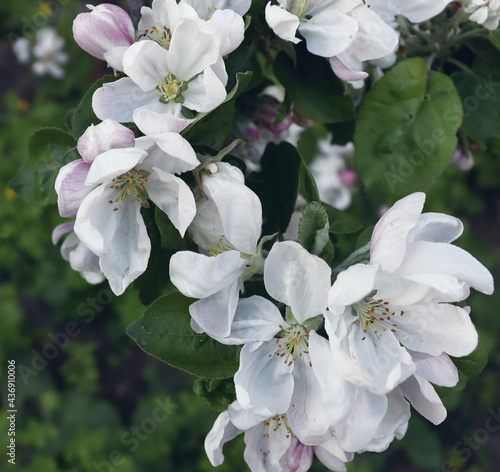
column 267, row 116
column 103, row 29
column 348, row 177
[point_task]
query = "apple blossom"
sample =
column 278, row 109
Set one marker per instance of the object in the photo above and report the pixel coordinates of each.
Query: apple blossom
column 163, row 80
column 271, row 445
column 48, row 53
column 105, row 32
column 217, row 279
column 400, row 299
column 77, row 254
column 484, row 12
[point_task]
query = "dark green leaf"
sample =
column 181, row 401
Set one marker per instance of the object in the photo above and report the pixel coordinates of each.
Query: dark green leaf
column 473, row 364
column 316, row 92
column 83, row 115
column 314, row 231
column 406, row 130
column 479, row 89
column 218, row 393
column 211, row 129
column 277, row 185
column 164, row 331
column 49, row 150
column 341, row 221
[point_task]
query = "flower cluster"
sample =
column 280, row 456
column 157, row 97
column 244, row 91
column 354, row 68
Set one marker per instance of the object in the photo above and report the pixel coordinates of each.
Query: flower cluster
column 331, row 359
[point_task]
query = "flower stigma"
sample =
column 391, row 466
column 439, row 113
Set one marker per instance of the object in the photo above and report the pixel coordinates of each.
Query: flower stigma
column 161, row 36
column 131, row 187
column 170, row 88
column 292, row 343
column 375, row 315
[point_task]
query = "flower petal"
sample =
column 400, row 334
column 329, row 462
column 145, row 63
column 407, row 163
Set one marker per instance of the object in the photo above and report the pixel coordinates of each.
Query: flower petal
column 329, row 32
column 70, row 187
column 240, row 211
column 436, row 328
column 173, row 196
column 256, row 319
column 388, row 242
column 214, row 314
column 204, row 93
column 263, row 378
column 439, row 370
column 436, row 228
column 297, row 278
column 222, row 431
column 282, row 22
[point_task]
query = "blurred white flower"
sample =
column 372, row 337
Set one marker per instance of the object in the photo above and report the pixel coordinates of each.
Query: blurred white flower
column 49, row 54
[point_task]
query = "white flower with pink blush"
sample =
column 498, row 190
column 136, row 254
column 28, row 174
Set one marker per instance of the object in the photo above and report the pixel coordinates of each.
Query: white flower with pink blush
column 105, row 32
column 400, row 300
column 162, row 80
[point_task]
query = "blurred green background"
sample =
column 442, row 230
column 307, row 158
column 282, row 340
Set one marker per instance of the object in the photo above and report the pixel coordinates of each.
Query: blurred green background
column 94, row 401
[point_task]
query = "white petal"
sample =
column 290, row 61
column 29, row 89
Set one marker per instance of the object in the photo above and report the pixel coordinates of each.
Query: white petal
column 199, row 276
column 388, row 242
column 439, row 370
column 451, row 264
column 119, row 237
column 82, row 259
column 60, row 230
column 263, row 378
column 256, row 319
column 351, row 286
column 70, row 187
column 191, row 50
column 421, row 10
column 424, row 399
column 204, row 93
column 230, row 28
column 151, row 123
column 297, row 278
column 146, row 62
column 436, row 228
column 375, row 38
column 263, row 453
column 282, row 22
column 214, row 314
column 222, row 431
column 113, row 163
column 332, row 456
column 436, row 328
column 169, row 152
column 173, row 196
column 118, row 100
column 306, row 414
column 329, row 32
column 337, row 393
column 114, row 57
column 364, row 421
column 345, row 71
column 298, row 457
column 105, row 136
column 240, row 211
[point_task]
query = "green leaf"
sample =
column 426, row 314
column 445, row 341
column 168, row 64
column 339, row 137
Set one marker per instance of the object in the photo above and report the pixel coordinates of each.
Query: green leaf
column 316, row 91
column 473, row 364
column 164, row 331
column 314, row 231
column 406, row 130
column 495, row 38
column 218, row 393
column 211, row 129
column 277, row 185
column 49, row 150
column 479, row 90
column 83, row 115
column 341, row 222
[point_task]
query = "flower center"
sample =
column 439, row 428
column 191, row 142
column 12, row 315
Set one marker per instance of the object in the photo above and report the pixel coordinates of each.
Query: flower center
column 292, row 343
column 131, row 187
column 374, row 315
column 302, row 8
column 162, row 36
column 170, row 88
column 274, row 423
